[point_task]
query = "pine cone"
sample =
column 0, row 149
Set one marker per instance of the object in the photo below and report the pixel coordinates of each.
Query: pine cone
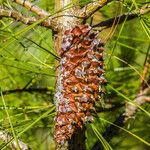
column 79, row 80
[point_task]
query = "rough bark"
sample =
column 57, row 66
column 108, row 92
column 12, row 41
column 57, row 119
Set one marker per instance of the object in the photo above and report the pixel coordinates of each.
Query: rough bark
column 66, row 21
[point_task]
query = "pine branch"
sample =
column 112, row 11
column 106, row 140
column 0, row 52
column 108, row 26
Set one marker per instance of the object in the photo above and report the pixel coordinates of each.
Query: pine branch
column 17, row 16
column 130, row 111
column 112, row 107
column 5, row 137
column 92, row 7
column 32, row 7
column 26, row 20
column 140, row 99
column 30, row 90
column 127, row 16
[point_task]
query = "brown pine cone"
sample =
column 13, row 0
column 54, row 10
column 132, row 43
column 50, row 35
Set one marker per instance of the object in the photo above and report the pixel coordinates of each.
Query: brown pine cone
column 79, row 80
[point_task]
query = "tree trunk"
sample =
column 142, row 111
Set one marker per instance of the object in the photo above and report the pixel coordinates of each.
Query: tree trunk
column 77, row 141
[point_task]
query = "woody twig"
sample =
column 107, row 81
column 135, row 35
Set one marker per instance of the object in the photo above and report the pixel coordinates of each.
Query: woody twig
column 32, row 7
column 26, row 20
column 92, row 7
column 145, row 72
column 120, row 19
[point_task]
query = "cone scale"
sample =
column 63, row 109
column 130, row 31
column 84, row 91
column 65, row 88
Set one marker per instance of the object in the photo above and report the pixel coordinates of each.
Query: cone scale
column 79, row 81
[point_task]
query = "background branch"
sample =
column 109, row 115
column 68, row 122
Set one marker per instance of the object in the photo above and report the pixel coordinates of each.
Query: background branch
column 30, row 90
column 127, row 16
column 32, row 7
column 112, row 107
column 130, row 111
column 5, row 137
column 145, row 71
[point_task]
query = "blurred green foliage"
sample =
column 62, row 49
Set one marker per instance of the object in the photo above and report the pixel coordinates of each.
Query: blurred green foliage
column 26, row 62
